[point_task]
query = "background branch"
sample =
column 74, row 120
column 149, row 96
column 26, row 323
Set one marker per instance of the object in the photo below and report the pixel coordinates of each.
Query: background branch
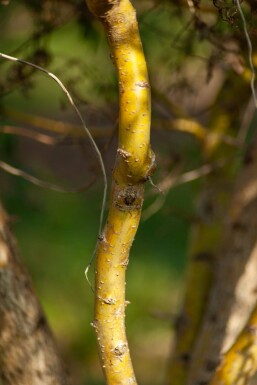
column 23, row 326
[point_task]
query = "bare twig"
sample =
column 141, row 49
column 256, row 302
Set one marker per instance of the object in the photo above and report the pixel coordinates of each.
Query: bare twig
column 93, row 143
column 66, row 92
column 174, row 180
column 26, row 133
column 250, row 51
column 56, row 126
column 38, row 182
column 170, row 182
column 246, row 121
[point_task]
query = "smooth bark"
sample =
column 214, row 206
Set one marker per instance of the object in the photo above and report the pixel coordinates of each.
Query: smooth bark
column 134, row 164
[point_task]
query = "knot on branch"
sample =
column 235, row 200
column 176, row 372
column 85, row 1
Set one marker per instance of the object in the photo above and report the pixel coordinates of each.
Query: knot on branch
column 133, row 168
column 120, row 349
column 129, row 198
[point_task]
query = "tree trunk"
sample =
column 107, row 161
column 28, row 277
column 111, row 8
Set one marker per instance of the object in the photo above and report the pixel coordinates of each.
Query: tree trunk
column 234, row 293
column 28, row 353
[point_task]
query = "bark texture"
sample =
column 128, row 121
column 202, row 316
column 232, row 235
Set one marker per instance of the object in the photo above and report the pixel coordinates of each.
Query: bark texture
column 28, row 353
column 234, row 292
column 239, row 364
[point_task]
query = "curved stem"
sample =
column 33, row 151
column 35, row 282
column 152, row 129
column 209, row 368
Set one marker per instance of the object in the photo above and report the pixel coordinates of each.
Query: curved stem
column 134, row 164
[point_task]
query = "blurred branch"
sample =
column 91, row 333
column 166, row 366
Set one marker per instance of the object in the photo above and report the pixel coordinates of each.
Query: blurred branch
column 202, row 7
column 250, row 51
column 26, row 133
column 205, row 236
column 38, row 182
column 28, row 352
column 234, row 290
column 191, row 126
column 172, row 181
column 184, row 124
column 68, row 96
column 239, row 364
column 246, row 121
column 54, row 126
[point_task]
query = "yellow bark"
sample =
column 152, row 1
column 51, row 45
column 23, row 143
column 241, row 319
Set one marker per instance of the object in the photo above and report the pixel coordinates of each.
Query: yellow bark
column 134, row 164
column 240, row 362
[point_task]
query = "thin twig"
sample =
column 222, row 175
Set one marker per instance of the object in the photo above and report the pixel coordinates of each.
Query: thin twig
column 56, row 126
column 154, row 185
column 246, row 121
column 250, row 51
column 172, row 181
column 26, row 133
column 38, row 182
column 191, row 7
column 94, row 145
column 189, row 176
column 154, row 207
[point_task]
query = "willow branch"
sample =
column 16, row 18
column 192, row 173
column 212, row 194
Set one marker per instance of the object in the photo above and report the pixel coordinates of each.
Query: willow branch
column 134, row 164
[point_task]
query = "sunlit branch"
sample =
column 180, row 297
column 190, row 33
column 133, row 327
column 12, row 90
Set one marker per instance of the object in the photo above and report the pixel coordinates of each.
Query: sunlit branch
column 239, row 364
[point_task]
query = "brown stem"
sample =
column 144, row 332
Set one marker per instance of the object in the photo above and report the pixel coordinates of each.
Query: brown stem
column 28, row 353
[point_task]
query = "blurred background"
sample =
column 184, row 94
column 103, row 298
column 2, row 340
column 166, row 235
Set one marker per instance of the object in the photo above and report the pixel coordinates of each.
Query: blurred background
column 203, row 113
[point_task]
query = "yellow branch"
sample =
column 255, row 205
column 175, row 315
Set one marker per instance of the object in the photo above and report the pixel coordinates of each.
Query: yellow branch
column 134, row 164
column 30, row 134
column 240, row 362
column 184, row 124
column 46, row 124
